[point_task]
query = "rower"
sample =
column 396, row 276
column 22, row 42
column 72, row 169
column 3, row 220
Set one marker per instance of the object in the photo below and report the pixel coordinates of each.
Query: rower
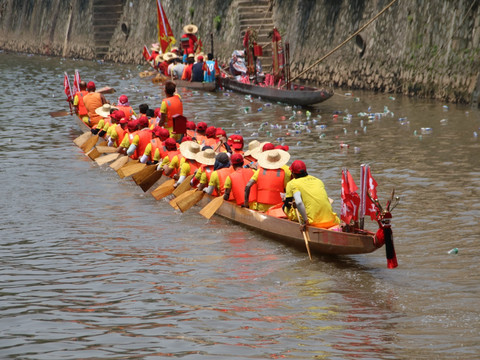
column 270, row 178
column 124, row 105
column 186, row 164
column 139, row 139
column 197, row 69
column 252, row 146
column 105, row 111
column 93, row 101
column 171, row 151
column 211, row 139
column 201, row 136
column 206, row 158
column 191, row 129
column 222, row 142
column 235, row 142
column 155, row 150
column 78, row 103
column 117, row 132
column 142, row 109
column 187, row 71
column 236, row 181
column 131, row 128
column 171, row 105
column 310, row 197
column 222, row 168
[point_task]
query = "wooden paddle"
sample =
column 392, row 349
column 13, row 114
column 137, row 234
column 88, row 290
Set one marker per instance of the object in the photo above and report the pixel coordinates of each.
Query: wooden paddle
column 106, row 90
column 184, row 186
column 80, row 140
column 306, row 235
column 102, row 160
column 149, row 181
column 164, row 190
column 175, row 200
column 130, row 169
column 89, row 144
column 117, row 164
column 144, row 173
column 212, row 207
column 59, row 113
column 106, row 149
column 93, row 153
column 190, row 199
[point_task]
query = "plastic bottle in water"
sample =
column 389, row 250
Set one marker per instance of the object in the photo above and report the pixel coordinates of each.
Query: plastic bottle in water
column 453, row 251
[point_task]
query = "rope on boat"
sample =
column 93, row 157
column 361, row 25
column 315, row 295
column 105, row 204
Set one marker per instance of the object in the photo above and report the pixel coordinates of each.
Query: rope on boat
column 347, row 40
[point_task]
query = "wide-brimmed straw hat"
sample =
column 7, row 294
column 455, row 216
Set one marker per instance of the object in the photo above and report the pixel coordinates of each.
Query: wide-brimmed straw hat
column 155, row 47
column 252, row 145
column 170, row 56
column 104, row 110
column 189, row 149
column 206, row 157
column 159, row 58
column 190, row 29
column 273, row 159
column 258, row 150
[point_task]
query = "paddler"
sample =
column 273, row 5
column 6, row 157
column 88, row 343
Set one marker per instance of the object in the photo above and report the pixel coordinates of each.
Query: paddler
column 198, row 69
column 184, row 164
column 131, row 128
column 116, row 133
column 206, row 158
column 105, row 111
column 248, row 158
column 124, row 105
column 78, row 103
column 236, row 181
column 211, row 139
column 187, row 71
column 93, row 101
column 191, row 129
column 310, row 197
column 221, row 169
column 235, row 142
column 139, row 139
column 171, row 105
column 270, row 178
column 155, row 150
column 171, row 150
column 201, row 136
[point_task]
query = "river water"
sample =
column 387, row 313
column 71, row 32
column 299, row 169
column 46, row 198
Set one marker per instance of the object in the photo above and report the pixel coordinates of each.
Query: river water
column 93, row 268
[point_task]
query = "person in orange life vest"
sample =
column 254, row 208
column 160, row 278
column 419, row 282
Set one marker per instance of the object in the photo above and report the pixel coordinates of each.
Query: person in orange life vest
column 270, row 178
column 78, row 105
column 171, row 151
column 155, row 150
column 139, row 139
column 171, row 105
column 310, row 197
column 221, row 169
column 211, row 140
column 105, row 112
column 132, row 127
column 236, row 144
column 142, row 111
column 154, row 120
column 200, row 136
column 191, row 129
column 222, row 142
column 124, row 105
column 190, row 31
column 187, row 71
column 184, row 164
column 109, row 124
column 248, row 159
column 206, row 158
column 93, row 101
column 235, row 182
column 117, row 131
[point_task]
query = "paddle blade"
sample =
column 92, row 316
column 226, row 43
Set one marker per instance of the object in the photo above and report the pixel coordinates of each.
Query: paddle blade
column 79, row 141
column 212, row 207
column 184, row 186
column 174, row 202
column 163, row 190
column 102, row 160
column 106, row 90
column 130, row 168
column 188, row 201
column 93, row 154
column 89, row 144
column 106, row 149
column 117, row 164
column 59, row 113
column 149, row 181
column 145, row 173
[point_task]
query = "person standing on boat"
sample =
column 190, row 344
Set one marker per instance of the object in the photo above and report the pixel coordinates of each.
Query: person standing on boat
column 189, row 39
column 310, row 197
column 124, row 105
column 209, row 74
column 235, row 182
column 198, row 69
column 221, row 169
column 93, row 101
column 171, row 105
column 271, row 179
column 78, row 103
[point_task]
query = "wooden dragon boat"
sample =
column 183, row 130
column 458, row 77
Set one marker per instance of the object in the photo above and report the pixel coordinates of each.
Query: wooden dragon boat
column 160, row 79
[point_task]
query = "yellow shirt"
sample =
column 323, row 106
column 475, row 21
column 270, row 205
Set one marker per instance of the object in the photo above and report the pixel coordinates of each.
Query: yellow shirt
column 148, row 151
column 315, row 198
column 183, row 165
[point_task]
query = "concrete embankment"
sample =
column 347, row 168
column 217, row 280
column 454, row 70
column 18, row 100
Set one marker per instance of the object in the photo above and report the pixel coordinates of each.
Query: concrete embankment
column 424, row 48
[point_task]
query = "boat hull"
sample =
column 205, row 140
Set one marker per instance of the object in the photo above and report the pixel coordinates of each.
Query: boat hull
column 303, row 96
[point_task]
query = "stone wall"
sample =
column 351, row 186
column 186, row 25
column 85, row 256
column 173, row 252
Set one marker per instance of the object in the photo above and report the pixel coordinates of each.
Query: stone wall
column 417, row 47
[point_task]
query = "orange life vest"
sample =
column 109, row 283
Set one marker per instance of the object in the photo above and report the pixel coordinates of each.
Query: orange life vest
column 171, row 154
column 127, row 110
column 158, row 144
column 270, row 184
column 192, row 133
column 212, row 142
column 200, row 138
column 82, row 110
column 145, row 136
column 240, row 178
column 222, row 176
column 193, row 165
column 93, row 101
column 174, row 107
column 121, row 134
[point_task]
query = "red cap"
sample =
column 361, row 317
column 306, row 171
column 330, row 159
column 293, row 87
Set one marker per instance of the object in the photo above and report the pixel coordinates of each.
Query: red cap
column 132, row 125
column 236, row 159
column 186, row 138
column 211, row 131
column 91, row 86
column 142, row 122
column 123, row 121
column 163, row 134
column 156, row 112
column 268, row 146
column 199, row 58
column 118, row 115
column 298, row 166
column 170, row 144
column 237, row 142
column 282, row 147
column 123, row 99
column 191, row 125
column 202, row 126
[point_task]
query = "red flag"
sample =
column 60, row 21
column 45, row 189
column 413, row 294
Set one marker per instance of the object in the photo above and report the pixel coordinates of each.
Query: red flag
column 370, row 207
column 350, row 198
column 165, row 34
column 67, row 88
column 217, row 68
column 199, row 46
column 76, row 83
column 145, row 53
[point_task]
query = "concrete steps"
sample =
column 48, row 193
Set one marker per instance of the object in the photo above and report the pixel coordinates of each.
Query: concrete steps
column 106, row 15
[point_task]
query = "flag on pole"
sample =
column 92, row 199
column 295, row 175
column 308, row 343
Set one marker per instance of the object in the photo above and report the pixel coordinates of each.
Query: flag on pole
column 146, row 54
column 165, row 34
column 350, row 198
column 76, row 83
column 66, row 87
column 371, row 186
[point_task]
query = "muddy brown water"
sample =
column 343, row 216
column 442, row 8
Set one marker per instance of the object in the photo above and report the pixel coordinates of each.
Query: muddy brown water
column 93, row 268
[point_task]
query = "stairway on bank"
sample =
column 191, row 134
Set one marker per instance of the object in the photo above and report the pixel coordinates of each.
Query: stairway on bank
column 106, row 15
column 258, row 16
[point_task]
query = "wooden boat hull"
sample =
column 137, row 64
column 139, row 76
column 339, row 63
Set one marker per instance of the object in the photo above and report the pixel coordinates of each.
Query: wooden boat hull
column 303, row 95
column 205, row 86
column 323, row 241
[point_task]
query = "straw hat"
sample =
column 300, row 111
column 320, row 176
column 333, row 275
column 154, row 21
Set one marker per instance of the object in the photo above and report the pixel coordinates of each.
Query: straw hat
column 159, row 58
column 198, row 55
column 258, row 150
column 189, row 149
column 169, row 56
column 104, row 110
column 252, row 145
column 190, row 29
column 155, row 47
column 206, row 157
column 273, row 159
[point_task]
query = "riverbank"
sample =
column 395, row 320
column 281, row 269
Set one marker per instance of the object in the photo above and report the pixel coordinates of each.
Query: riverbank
column 403, row 51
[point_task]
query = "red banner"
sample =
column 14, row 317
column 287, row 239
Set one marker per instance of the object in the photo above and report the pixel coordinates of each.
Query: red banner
column 76, row 83
column 165, row 34
column 350, row 198
column 145, row 53
column 67, row 88
column 370, row 208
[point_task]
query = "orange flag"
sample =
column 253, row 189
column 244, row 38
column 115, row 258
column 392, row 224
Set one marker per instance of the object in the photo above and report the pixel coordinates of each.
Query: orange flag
column 165, row 34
